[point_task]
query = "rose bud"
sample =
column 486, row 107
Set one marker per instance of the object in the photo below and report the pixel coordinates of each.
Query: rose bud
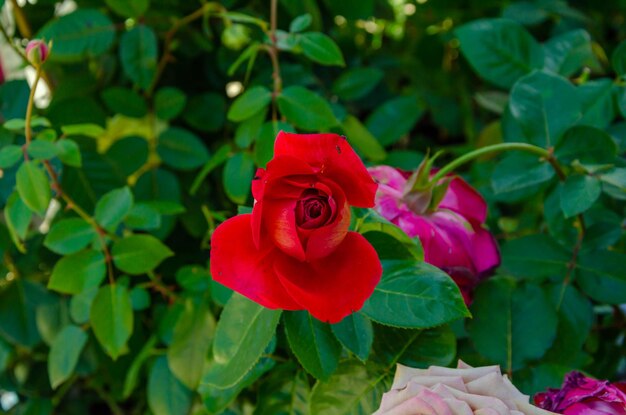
column 447, row 217
column 462, row 391
column 294, row 251
column 37, row 51
column 580, row 395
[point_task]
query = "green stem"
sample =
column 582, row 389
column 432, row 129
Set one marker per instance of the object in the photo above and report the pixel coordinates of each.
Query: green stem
column 453, row 165
column 28, row 133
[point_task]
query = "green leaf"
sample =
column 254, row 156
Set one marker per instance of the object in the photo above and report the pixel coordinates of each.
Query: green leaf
column 300, row 23
column 112, row 319
column 415, row 348
column 15, row 124
column 64, row 354
column 80, row 305
column 193, row 278
column 88, row 130
column 138, row 254
column 618, row 59
column 33, row 187
column 243, row 332
column 42, row 150
column 544, row 106
column 534, row 257
column 190, row 345
column 355, row 333
column 138, row 55
column 18, row 303
column 10, row 155
column 602, row 276
column 169, row 102
column 388, row 239
column 588, row 145
column 321, row 49
column 79, row 35
column 499, row 50
column 615, row 177
column 511, row 325
column 17, row 217
column 264, row 147
column 351, row 390
column 249, row 103
column 357, row 83
column 525, row 12
column 363, row 140
column 394, row 119
column 248, row 131
column 313, row 343
column 578, row 193
column 143, row 217
column 69, row 153
column 237, row 177
column 166, row 394
column 113, row 207
column 597, row 99
column 69, row 236
column 126, row 102
column 78, row 272
column 305, row 109
column 414, row 294
column 568, row 53
column 206, row 112
column 181, row 149
column 129, row 8
column 140, row 298
column 519, row 175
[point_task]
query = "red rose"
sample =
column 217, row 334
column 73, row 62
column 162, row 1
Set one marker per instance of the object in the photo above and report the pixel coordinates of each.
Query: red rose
column 294, row 251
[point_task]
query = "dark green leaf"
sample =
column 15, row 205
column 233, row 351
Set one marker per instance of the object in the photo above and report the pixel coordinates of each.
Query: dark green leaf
column 125, row 101
column 80, row 305
column 42, row 150
column 534, row 257
column 300, row 23
column 193, row 278
column 17, row 217
column 357, row 83
column 138, row 55
column 112, row 319
column 544, row 106
column 206, row 112
column 113, row 207
column 414, row 295
column 191, row 342
column 568, row 53
column 129, row 8
column 242, row 334
column 237, row 177
column 512, row 325
column 78, row 272
column 249, row 103
column 18, row 303
column 602, row 276
column 618, row 59
column 138, row 254
column 64, row 354
column 166, row 394
column 356, row 334
column 519, row 175
column 69, row 236
column 143, row 217
column 169, row 102
column 264, row 147
column 500, row 50
column 305, row 109
column 321, row 49
column 313, row 343
column 10, row 155
column 33, row 187
column 181, row 149
column 363, row 140
column 588, row 145
column 578, row 193
column 140, row 298
column 394, row 119
column 598, row 108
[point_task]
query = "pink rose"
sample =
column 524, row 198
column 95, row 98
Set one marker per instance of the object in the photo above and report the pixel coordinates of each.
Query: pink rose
column 461, row 391
column 581, row 395
column 451, row 232
column 37, row 51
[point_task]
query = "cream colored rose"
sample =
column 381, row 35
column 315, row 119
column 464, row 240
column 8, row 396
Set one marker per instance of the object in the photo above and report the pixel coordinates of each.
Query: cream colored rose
column 465, row 390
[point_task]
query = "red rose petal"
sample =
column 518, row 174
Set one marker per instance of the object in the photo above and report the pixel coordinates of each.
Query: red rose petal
column 279, row 216
column 464, row 200
column 332, row 287
column 335, row 159
column 239, row 265
column 324, row 240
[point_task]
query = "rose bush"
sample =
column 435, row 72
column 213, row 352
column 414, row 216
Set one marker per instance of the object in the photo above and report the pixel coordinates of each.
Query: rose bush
column 294, row 251
column 462, row 391
column 451, row 231
column 581, row 395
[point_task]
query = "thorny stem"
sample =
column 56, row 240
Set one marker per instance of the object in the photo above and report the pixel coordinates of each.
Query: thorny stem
column 167, row 46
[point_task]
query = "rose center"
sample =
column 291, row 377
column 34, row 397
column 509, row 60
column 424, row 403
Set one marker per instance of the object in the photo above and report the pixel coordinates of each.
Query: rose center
column 313, row 210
